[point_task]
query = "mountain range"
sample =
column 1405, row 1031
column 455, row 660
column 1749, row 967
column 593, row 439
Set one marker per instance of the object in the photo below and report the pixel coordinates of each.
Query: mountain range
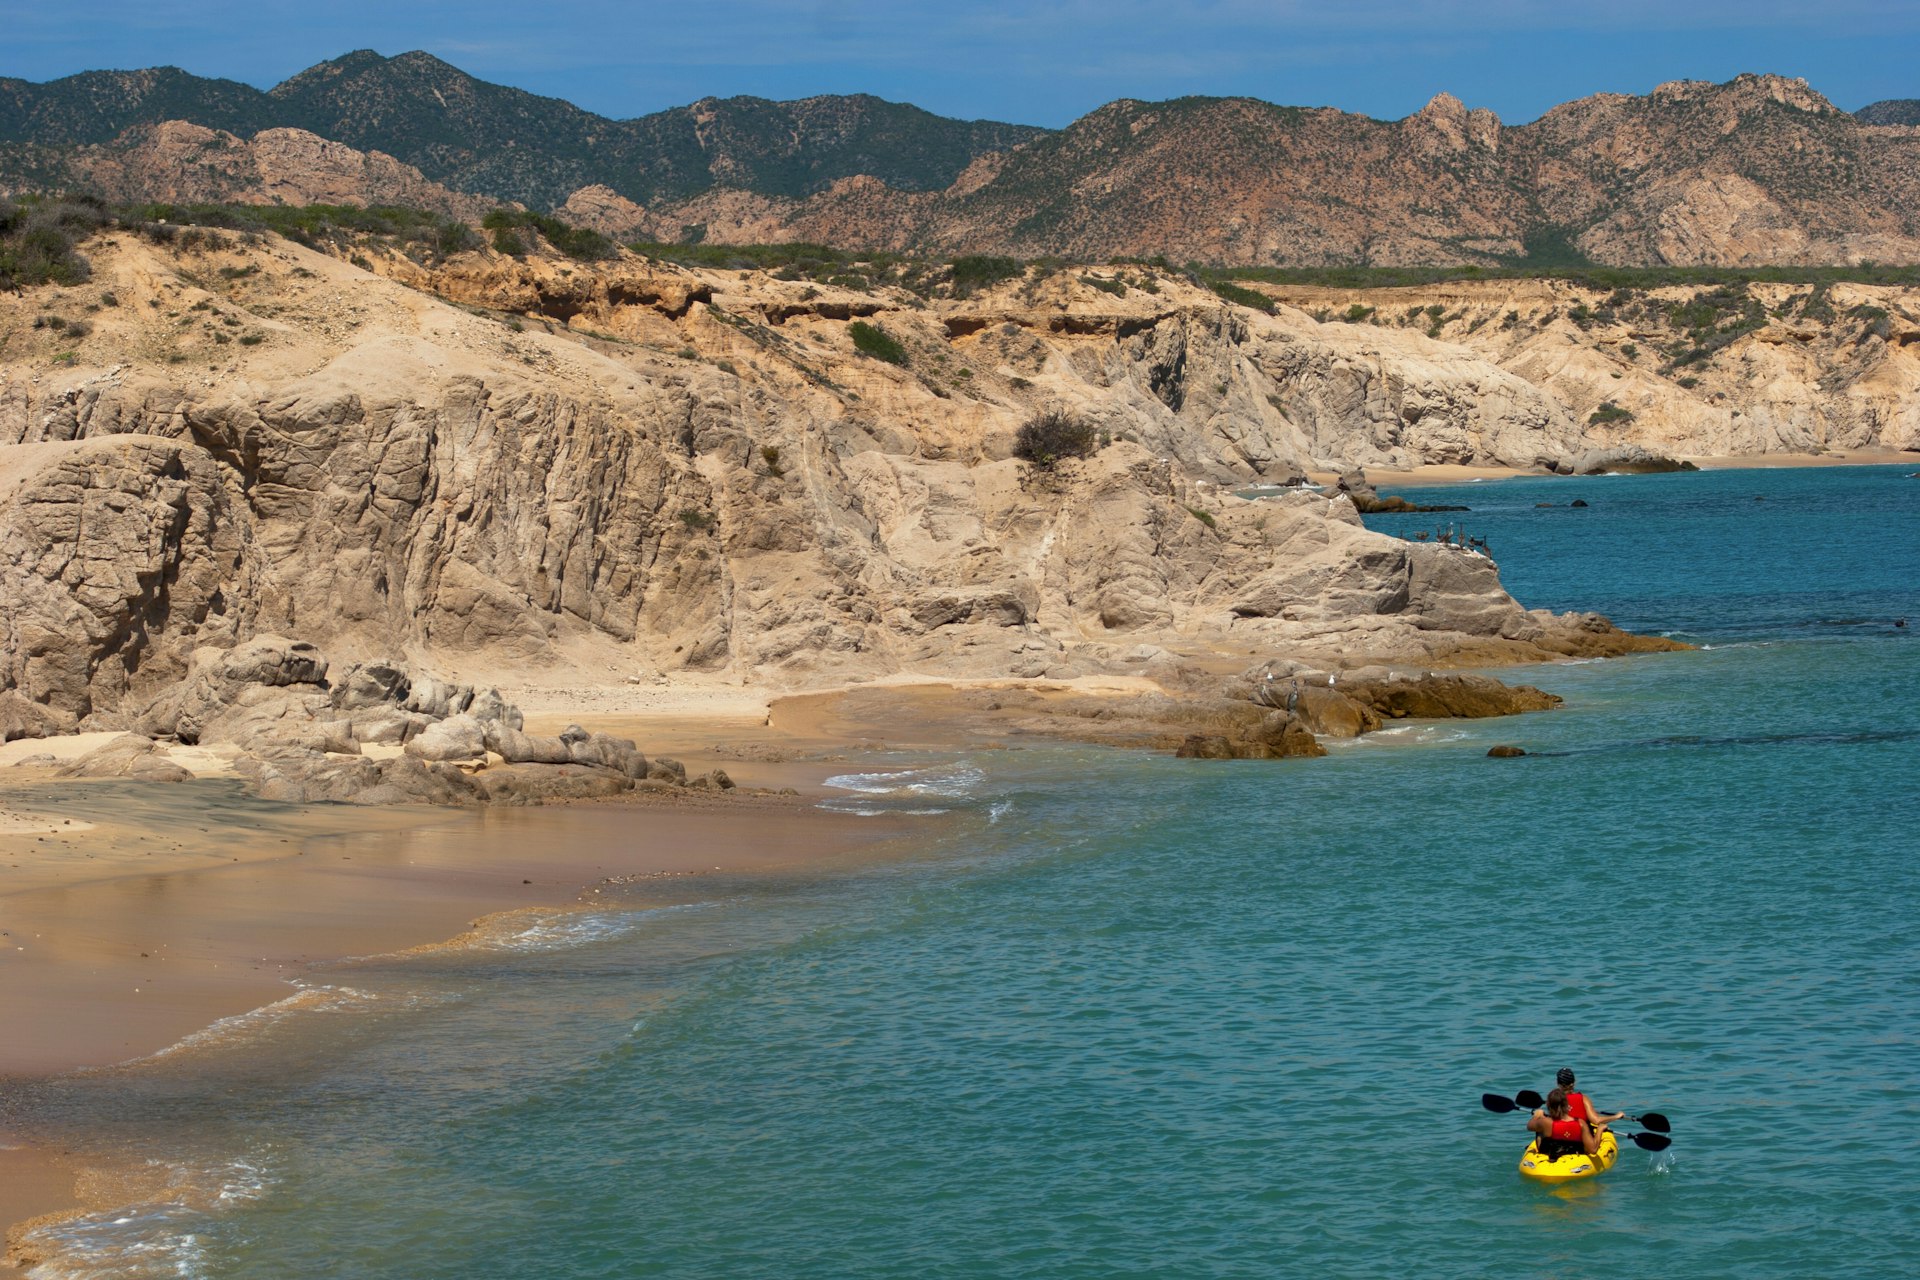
column 1759, row 170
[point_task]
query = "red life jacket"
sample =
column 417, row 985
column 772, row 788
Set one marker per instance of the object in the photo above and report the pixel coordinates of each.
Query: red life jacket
column 1568, row 1130
column 1577, row 1105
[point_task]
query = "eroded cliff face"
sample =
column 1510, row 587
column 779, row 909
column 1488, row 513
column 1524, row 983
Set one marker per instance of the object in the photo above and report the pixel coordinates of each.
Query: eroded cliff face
column 1697, row 371
column 511, row 466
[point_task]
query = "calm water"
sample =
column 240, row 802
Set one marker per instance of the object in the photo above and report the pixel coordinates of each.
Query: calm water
column 1122, row 1015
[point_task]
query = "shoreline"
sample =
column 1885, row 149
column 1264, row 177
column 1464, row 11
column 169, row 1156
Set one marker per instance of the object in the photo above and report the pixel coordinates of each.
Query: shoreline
column 1437, row 474
column 142, row 908
column 136, row 916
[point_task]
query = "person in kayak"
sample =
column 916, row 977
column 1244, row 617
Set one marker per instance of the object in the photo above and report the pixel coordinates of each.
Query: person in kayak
column 1558, row 1133
column 1579, row 1104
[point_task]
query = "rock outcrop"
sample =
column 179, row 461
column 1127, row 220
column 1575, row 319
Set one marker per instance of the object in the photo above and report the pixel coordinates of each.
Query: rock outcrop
column 717, row 481
column 1627, row 459
column 297, row 737
column 1680, row 372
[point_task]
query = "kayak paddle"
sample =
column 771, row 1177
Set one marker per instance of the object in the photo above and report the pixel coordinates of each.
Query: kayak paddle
column 1645, row 1141
column 1527, row 1100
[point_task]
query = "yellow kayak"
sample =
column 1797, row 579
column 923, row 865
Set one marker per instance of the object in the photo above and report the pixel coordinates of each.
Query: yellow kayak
column 1566, row 1168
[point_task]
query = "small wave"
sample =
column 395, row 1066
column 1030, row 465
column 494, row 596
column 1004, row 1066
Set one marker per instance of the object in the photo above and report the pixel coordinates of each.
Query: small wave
column 575, row 929
column 1415, row 734
column 309, row 999
column 999, row 810
column 529, row 930
column 878, row 784
column 152, row 1232
column 951, row 781
column 862, row 809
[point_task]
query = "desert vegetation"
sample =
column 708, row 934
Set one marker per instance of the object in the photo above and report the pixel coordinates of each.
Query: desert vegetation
column 872, row 340
column 39, row 239
column 1053, row 435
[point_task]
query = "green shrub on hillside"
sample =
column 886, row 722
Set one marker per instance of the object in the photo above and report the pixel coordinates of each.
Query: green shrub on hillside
column 872, row 340
column 38, row 239
column 509, row 225
column 977, row 271
column 1051, row 435
column 1241, row 296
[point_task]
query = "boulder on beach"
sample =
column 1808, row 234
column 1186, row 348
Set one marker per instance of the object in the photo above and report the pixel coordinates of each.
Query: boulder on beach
column 1627, row 459
column 21, row 717
column 458, row 737
column 127, row 756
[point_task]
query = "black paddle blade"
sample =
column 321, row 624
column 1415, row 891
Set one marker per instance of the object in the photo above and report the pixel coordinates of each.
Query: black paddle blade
column 1497, row 1104
column 1654, row 1121
column 1529, row 1099
column 1649, row 1141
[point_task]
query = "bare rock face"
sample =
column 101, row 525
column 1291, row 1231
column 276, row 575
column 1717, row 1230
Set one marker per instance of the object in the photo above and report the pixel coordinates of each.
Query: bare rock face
column 124, row 553
column 605, row 210
column 179, row 162
column 21, row 718
column 238, row 694
column 723, row 484
column 371, row 684
column 460, row 737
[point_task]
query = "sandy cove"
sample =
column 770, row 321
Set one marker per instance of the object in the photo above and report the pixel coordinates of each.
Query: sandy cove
column 135, row 914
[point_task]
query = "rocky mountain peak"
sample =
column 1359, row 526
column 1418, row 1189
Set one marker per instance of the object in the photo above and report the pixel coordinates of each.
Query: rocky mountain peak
column 1745, row 91
column 1446, row 118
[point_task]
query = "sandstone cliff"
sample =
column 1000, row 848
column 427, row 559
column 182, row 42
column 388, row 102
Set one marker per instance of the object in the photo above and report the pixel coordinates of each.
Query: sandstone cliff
column 1681, row 370
column 638, row 469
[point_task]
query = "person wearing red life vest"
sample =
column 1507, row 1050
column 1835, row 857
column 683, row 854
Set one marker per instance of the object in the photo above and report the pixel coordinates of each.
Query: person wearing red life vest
column 1558, row 1132
column 1579, row 1104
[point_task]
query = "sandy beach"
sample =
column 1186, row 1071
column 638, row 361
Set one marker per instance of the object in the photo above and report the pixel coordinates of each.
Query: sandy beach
column 134, row 914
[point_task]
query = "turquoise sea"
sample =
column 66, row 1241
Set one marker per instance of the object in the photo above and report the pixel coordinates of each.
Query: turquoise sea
column 1123, row 1015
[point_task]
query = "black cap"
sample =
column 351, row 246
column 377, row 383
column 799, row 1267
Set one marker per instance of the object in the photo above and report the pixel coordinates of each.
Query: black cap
column 1565, row 1078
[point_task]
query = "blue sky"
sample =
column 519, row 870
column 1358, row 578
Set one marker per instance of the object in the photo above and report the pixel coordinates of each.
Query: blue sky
column 1041, row 63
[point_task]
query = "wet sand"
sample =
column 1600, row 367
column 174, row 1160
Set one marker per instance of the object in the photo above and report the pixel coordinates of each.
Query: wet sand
column 132, row 915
